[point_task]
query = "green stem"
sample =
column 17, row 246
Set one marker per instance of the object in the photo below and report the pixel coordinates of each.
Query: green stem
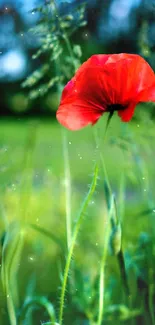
column 74, row 237
column 65, row 147
column 68, row 187
column 107, row 232
column 48, row 234
column 65, row 37
column 42, row 301
column 27, row 173
column 121, row 263
column 6, row 270
column 10, row 304
column 102, row 270
column 98, row 145
column 151, row 298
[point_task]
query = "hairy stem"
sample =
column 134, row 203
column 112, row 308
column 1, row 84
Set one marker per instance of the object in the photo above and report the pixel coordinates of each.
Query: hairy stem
column 73, row 241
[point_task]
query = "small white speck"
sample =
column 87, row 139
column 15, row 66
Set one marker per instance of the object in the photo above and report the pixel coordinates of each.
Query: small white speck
column 6, row 8
column 22, row 34
column 33, row 12
column 70, row 142
column 143, row 177
column 80, row 157
column 153, row 210
column 13, row 187
column 144, row 189
column 137, row 125
column 8, row 296
column 96, row 244
column 0, row 52
column 48, row 170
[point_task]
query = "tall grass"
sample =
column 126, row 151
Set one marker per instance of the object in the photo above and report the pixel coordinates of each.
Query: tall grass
column 73, row 241
column 99, row 267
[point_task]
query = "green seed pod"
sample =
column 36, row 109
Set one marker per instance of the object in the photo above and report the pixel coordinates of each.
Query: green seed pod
column 116, row 239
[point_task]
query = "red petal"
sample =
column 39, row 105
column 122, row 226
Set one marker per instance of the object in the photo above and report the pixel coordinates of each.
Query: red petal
column 127, row 77
column 78, row 114
column 147, row 95
column 82, row 100
column 103, row 80
column 127, row 113
column 142, row 77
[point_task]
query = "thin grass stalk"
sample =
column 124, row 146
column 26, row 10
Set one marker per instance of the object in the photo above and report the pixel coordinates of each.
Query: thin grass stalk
column 102, row 268
column 120, row 256
column 68, row 187
column 121, row 200
column 74, row 237
column 121, row 262
column 10, row 303
column 100, row 155
column 48, row 234
column 151, row 304
column 13, row 269
column 66, row 39
column 6, row 268
column 42, row 301
column 67, row 173
column 27, row 173
column 64, row 35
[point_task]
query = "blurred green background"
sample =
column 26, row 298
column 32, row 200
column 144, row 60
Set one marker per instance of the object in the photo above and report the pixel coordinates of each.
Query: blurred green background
column 33, row 174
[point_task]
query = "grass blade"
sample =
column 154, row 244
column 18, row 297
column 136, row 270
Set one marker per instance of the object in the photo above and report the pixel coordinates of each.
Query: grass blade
column 74, row 237
column 48, row 234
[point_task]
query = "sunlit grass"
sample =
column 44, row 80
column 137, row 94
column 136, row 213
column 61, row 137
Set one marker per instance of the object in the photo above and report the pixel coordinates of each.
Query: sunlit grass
column 33, row 189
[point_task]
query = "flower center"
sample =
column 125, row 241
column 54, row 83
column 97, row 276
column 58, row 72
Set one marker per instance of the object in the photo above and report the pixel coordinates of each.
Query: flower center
column 115, row 107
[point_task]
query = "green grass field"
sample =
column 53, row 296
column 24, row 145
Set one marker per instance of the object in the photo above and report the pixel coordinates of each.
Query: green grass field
column 46, row 171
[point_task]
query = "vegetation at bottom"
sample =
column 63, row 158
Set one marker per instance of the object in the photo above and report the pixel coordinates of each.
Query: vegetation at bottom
column 70, row 201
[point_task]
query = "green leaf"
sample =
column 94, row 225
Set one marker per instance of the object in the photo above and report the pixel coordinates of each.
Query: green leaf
column 48, row 234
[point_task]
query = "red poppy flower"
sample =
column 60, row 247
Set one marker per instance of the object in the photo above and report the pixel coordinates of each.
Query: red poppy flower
column 106, row 83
